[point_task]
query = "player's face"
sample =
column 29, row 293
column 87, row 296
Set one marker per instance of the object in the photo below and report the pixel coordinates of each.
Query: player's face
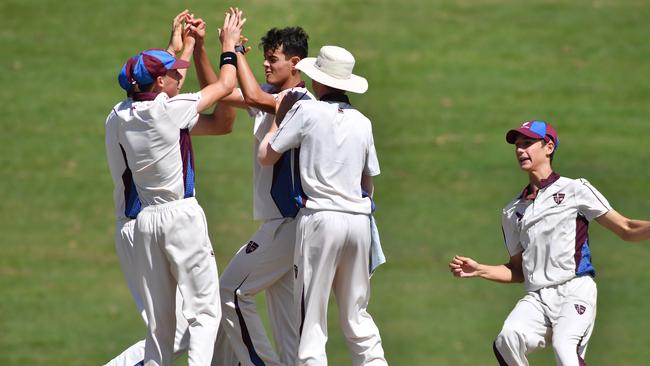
column 277, row 67
column 531, row 153
column 171, row 82
column 318, row 88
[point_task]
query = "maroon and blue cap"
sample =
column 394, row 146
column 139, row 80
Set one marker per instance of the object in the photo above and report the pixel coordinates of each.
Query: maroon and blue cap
column 536, row 130
column 144, row 68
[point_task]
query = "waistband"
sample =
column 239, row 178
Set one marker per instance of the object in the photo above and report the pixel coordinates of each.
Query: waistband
column 304, row 211
column 170, row 205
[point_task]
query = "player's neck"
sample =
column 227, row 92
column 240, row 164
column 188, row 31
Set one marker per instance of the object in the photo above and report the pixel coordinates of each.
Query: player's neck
column 291, row 82
column 536, row 176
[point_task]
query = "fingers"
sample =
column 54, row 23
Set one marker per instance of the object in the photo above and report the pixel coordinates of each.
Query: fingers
column 179, row 18
column 459, row 264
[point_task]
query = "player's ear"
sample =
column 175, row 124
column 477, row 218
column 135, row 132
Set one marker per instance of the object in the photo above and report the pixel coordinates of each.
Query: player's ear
column 294, row 61
column 550, row 147
column 158, row 84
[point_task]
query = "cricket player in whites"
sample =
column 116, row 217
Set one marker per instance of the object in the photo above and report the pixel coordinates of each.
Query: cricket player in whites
column 127, row 202
column 337, row 162
column 170, row 239
column 265, row 262
column 546, row 233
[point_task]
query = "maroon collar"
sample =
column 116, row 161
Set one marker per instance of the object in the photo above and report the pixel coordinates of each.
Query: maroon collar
column 552, row 178
column 139, row 97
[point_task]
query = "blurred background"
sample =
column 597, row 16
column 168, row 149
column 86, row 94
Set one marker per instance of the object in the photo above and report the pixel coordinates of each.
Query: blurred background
column 447, row 80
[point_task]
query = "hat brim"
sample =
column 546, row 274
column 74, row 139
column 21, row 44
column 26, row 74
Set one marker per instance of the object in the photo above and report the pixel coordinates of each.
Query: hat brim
column 355, row 84
column 511, row 136
column 179, row 64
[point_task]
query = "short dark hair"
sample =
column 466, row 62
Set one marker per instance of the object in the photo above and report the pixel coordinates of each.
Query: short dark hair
column 292, row 39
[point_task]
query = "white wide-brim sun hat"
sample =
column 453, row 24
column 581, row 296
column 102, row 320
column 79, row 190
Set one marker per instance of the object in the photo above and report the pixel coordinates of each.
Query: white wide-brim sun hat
column 333, row 67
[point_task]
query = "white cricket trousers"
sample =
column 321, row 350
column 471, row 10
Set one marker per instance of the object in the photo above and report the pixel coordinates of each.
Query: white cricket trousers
column 332, row 253
column 563, row 314
column 125, row 253
column 264, row 263
column 172, row 249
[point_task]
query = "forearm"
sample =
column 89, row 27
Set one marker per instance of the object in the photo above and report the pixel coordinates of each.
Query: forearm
column 266, row 156
column 221, row 88
column 219, row 122
column 204, row 71
column 626, row 229
column 636, row 230
column 254, row 96
column 185, row 56
column 502, row 273
column 367, row 185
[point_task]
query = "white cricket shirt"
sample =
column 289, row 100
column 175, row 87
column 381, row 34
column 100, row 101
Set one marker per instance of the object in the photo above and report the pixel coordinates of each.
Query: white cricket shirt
column 154, row 135
column 125, row 197
column 551, row 231
column 265, row 206
column 336, row 149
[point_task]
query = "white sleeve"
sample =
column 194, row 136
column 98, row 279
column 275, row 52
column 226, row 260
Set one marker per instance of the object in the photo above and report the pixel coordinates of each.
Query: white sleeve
column 591, row 203
column 116, row 163
column 511, row 233
column 372, row 163
column 182, row 109
column 289, row 134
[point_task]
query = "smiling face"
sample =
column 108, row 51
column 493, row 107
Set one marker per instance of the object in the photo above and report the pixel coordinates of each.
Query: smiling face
column 533, row 154
column 278, row 68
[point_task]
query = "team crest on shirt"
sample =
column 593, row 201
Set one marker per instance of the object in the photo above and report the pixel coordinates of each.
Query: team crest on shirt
column 580, row 308
column 251, row 246
column 558, row 197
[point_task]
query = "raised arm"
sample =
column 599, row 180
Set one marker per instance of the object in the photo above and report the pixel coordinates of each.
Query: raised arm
column 178, row 41
column 465, row 267
column 254, row 96
column 626, row 229
column 219, row 122
column 229, row 35
column 176, row 37
column 204, row 71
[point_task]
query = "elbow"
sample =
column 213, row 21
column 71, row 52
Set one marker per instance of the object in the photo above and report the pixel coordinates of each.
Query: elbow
column 264, row 159
column 229, row 86
column 265, row 156
column 251, row 98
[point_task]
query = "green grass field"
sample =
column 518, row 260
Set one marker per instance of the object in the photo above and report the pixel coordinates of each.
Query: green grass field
column 447, row 79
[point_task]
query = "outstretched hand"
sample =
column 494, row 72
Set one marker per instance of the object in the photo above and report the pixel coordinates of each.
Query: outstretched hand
column 195, row 28
column 233, row 23
column 463, row 267
column 176, row 37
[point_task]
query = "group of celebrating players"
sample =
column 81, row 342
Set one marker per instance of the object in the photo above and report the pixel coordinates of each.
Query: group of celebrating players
column 314, row 165
column 313, row 171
